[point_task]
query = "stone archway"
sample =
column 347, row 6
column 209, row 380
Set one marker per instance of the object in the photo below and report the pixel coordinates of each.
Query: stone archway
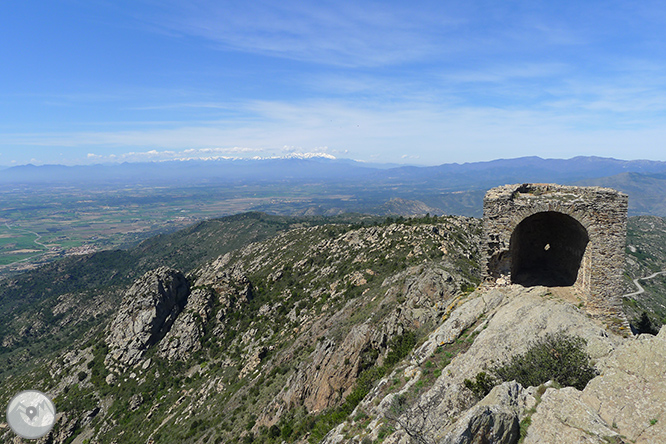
column 557, row 235
column 547, row 248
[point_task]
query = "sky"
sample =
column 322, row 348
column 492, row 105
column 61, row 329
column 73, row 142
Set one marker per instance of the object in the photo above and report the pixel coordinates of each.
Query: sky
column 423, row 83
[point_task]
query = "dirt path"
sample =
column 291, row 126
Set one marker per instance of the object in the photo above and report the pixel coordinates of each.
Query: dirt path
column 44, row 249
column 567, row 294
column 641, row 290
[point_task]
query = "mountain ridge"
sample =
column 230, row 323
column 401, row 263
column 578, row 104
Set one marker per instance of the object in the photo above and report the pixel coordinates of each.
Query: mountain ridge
column 312, row 333
column 322, row 168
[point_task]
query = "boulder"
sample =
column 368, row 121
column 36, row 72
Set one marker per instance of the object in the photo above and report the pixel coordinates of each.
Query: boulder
column 485, row 424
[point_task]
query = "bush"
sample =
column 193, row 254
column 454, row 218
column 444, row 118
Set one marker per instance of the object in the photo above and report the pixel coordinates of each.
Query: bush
column 286, row 431
column 556, row 357
column 483, row 384
column 645, row 325
column 399, row 347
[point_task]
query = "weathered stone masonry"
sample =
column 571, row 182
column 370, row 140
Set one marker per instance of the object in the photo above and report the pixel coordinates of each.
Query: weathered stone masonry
column 554, row 235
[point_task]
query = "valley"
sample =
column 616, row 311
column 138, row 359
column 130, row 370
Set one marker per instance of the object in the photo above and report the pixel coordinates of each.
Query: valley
column 54, row 211
column 339, row 316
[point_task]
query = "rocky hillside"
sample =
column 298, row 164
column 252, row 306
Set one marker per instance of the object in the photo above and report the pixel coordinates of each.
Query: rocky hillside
column 646, row 255
column 310, row 309
column 427, row 399
column 348, row 333
column 43, row 311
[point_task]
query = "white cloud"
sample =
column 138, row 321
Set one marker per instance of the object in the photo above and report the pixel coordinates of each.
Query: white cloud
column 338, row 33
column 202, row 154
column 435, row 132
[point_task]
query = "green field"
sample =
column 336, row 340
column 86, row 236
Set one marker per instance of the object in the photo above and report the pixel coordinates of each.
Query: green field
column 17, row 244
column 38, row 225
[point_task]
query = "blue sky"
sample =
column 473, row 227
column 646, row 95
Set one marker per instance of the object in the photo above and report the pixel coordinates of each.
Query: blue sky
column 427, row 82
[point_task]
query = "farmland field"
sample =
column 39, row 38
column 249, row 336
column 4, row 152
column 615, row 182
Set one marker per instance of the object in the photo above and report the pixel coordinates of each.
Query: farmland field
column 41, row 224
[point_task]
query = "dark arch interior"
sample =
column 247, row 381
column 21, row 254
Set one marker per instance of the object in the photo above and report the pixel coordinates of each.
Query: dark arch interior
column 547, row 249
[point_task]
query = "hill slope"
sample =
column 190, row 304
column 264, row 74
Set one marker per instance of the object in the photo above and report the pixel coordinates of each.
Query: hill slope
column 336, row 333
column 40, row 309
column 311, row 307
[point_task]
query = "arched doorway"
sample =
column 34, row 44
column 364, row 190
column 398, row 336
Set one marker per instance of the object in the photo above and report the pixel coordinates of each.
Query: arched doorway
column 547, row 249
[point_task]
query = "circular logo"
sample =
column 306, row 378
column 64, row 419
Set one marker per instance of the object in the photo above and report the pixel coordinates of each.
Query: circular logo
column 31, row 414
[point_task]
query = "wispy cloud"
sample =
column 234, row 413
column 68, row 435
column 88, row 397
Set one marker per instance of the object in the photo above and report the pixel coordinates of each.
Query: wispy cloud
column 185, row 105
column 338, row 33
column 435, row 133
column 445, row 81
column 503, row 73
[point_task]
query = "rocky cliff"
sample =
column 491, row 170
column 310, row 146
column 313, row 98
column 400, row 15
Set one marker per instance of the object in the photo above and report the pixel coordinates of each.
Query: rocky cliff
column 147, row 312
column 342, row 333
column 622, row 404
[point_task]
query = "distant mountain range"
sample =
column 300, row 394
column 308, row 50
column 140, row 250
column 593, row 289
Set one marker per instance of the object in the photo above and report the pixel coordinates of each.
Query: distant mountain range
column 451, row 188
column 450, row 176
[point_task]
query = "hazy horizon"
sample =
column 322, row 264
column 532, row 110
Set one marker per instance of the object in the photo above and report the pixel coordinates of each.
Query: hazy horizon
column 321, row 156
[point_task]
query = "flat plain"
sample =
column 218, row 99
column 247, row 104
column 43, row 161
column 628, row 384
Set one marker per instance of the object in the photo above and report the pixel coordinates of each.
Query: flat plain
column 39, row 224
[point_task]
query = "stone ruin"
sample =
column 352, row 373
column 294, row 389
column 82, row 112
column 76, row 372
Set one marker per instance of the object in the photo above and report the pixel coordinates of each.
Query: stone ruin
column 558, row 236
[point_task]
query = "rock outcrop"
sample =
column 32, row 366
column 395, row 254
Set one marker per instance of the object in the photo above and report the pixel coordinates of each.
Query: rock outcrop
column 496, row 424
column 148, row 310
column 327, row 379
column 231, row 286
column 495, row 418
column 626, row 402
column 184, row 337
column 505, row 321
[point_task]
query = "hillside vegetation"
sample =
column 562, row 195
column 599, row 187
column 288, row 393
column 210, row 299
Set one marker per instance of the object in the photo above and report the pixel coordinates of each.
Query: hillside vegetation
column 305, row 289
column 44, row 310
column 646, row 254
column 266, row 329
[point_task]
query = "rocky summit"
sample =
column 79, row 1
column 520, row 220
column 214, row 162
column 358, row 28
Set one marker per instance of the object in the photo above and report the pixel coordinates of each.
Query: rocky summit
column 352, row 333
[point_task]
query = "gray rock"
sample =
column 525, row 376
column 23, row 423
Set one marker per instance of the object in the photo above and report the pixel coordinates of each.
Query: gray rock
column 185, row 335
column 486, row 424
column 495, row 419
column 627, row 399
column 135, row 401
column 510, row 395
column 563, row 416
column 458, row 321
column 231, row 286
column 147, row 311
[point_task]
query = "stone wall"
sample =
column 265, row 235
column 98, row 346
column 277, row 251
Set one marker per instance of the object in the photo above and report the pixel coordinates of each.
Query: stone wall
column 554, row 235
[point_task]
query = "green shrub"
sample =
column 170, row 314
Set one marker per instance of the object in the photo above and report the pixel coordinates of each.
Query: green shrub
column 482, row 385
column 286, row 431
column 399, row 347
column 645, row 325
column 524, row 425
column 556, row 357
